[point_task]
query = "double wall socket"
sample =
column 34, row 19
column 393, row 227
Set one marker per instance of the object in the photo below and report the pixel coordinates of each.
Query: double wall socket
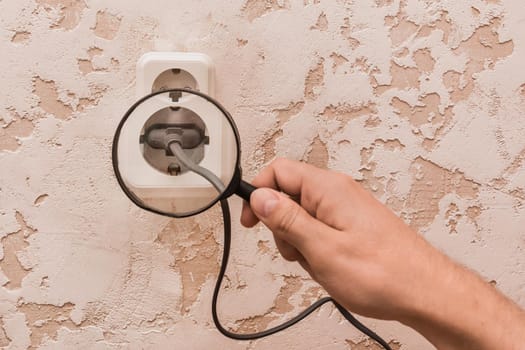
column 167, row 70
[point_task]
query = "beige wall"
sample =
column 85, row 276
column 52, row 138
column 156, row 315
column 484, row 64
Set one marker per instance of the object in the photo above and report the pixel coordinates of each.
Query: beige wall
column 422, row 101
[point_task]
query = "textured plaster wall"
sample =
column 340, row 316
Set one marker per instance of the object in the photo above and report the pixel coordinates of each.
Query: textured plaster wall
column 421, row 101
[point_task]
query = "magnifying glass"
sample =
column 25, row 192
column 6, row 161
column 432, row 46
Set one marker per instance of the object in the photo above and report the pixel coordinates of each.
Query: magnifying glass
column 177, row 152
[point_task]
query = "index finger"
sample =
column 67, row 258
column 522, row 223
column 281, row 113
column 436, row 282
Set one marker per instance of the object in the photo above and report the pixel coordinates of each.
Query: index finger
column 287, row 176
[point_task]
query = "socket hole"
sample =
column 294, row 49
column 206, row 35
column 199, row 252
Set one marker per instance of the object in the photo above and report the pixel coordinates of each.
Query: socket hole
column 158, row 158
column 174, row 79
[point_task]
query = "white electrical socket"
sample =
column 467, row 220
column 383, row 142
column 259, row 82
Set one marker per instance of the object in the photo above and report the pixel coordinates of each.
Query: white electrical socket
column 196, row 71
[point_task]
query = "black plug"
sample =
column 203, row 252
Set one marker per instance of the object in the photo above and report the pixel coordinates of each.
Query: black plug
column 188, row 135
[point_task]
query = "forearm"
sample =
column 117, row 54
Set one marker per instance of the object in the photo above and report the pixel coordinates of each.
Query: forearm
column 458, row 310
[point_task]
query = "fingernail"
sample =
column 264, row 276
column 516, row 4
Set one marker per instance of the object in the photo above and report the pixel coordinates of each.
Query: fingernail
column 263, row 201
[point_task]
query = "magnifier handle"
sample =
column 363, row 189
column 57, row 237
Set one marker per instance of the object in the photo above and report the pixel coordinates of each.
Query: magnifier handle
column 245, row 190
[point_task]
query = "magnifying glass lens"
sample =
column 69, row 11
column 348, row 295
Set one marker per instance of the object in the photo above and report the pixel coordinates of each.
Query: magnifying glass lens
column 175, row 152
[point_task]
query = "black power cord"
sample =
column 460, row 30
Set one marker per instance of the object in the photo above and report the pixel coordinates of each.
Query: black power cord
column 174, row 144
column 227, row 229
column 252, row 336
column 178, row 151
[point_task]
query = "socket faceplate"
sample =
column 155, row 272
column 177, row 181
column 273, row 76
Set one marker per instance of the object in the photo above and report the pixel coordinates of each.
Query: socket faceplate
column 217, row 153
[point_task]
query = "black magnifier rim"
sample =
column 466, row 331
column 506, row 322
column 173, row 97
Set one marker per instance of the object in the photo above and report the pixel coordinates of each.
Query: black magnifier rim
column 230, row 189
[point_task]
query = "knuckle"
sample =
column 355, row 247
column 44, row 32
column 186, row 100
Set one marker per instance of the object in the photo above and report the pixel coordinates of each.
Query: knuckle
column 278, row 162
column 288, row 218
column 288, row 255
column 342, row 180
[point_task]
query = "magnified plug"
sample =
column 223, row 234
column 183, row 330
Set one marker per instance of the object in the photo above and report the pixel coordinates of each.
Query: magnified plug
column 166, row 162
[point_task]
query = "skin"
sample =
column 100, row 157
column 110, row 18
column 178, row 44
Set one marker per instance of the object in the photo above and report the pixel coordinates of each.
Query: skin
column 373, row 264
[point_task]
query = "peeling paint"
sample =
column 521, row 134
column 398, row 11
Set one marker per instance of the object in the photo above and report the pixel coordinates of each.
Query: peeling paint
column 314, row 81
column 4, row 339
column 484, row 49
column 20, row 37
column 12, row 132
column 431, row 184
column 242, row 42
column 69, row 12
column 311, row 295
column 253, row 9
column 283, row 115
column 403, row 78
column 50, row 101
column 44, row 320
column 345, row 112
column 40, row 199
column 85, row 65
column 321, row 24
column 346, row 32
column 281, row 306
column 318, row 155
column 12, row 244
column 420, row 101
column 196, row 257
column 338, row 60
column 107, row 25
column 424, row 60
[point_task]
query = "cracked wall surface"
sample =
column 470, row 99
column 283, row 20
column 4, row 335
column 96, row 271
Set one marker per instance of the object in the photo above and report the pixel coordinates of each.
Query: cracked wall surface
column 420, row 101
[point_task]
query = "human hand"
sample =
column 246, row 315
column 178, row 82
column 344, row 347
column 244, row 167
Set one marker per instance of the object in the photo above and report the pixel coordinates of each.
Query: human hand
column 372, row 263
column 358, row 250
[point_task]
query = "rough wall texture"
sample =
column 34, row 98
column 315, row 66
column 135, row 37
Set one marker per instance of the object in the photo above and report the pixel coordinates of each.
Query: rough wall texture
column 421, row 101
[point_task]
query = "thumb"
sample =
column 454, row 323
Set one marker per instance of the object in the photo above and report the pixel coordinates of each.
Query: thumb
column 285, row 218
